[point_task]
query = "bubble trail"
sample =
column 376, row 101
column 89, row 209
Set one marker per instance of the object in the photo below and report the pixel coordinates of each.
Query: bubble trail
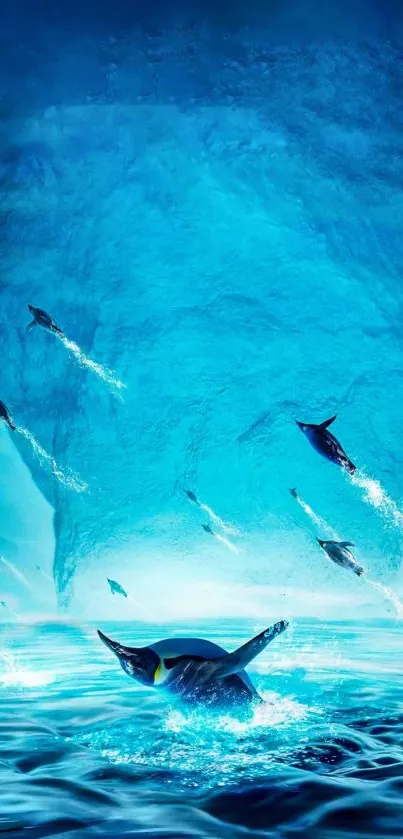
column 317, row 520
column 375, row 495
column 388, row 594
column 227, row 543
column 226, row 528
column 20, row 576
column 107, row 376
column 69, row 481
column 9, row 609
column 44, row 574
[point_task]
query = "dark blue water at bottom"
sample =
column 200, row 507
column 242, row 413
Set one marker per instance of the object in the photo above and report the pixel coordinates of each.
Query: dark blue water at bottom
column 86, row 752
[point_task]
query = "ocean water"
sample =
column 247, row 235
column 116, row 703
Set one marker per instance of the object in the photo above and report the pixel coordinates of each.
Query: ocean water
column 86, row 752
column 206, row 197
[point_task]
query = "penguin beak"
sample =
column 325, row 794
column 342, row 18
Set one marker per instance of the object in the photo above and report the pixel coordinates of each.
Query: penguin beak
column 31, row 309
column 300, row 425
column 113, row 645
column 137, row 663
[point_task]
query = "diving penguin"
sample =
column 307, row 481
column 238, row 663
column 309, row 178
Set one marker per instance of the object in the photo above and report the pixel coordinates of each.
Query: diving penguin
column 195, row 670
column 4, row 414
column 41, row 318
column 326, row 444
column 116, row 588
column 340, row 554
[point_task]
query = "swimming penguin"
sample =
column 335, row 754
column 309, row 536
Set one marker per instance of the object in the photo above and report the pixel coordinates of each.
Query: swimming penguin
column 191, row 496
column 326, row 444
column 208, row 529
column 195, row 670
column 41, row 318
column 294, row 493
column 4, row 604
column 339, row 553
column 6, row 416
column 116, row 588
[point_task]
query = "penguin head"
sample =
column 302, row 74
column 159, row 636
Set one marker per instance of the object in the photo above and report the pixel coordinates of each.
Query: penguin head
column 32, row 309
column 321, row 542
column 302, row 426
column 139, row 663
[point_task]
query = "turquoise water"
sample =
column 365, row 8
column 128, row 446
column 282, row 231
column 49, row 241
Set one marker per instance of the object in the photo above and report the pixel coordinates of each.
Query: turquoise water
column 207, row 199
column 86, row 751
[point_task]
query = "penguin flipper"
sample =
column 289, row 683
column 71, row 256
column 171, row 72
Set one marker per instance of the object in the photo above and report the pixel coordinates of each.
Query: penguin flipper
column 31, row 325
column 232, row 663
column 346, row 544
column 326, row 423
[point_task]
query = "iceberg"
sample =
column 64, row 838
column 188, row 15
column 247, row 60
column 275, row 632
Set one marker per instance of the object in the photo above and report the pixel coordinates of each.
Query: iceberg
column 224, row 236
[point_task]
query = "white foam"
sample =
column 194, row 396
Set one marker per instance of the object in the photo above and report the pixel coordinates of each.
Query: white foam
column 67, row 479
column 273, row 712
column 377, row 497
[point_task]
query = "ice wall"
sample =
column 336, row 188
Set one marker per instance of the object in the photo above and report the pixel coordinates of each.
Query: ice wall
column 214, row 212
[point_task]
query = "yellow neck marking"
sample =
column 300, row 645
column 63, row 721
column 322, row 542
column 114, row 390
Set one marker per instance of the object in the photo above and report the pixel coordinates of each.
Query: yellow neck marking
column 159, row 674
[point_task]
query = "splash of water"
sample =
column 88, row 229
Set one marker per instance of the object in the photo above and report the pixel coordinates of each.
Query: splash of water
column 208, row 747
column 15, row 676
column 18, row 574
column 377, row 497
column 68, row 480
column 107, row 376
column 275, row 710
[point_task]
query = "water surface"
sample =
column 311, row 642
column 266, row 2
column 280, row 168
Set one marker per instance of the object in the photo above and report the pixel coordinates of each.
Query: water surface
column 87, row 751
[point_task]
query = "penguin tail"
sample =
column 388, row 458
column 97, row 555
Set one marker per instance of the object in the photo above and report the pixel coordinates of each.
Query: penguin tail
column 359, row 571
column 351, row 468
column 11, row 425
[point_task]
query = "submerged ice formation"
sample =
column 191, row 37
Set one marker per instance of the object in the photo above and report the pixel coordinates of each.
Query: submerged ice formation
column 224, row 234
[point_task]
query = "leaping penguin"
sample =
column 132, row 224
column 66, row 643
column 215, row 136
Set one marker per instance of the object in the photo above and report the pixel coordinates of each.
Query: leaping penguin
column 41, row 318
column 195, row 670
column 340, row 554
column 116, row 588
column 326, row 444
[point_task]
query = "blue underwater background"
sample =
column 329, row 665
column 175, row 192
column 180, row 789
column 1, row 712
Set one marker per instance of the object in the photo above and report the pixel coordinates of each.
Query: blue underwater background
column 207, row 198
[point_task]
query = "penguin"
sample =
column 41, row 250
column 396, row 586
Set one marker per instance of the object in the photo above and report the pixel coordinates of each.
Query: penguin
column 41, row 318
column 326, row 444
column 339, row 553
column 4, row 414
column 116, row 588
column 192, row 497
column 208, row 529
column 198, row 672
column 294, row 493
